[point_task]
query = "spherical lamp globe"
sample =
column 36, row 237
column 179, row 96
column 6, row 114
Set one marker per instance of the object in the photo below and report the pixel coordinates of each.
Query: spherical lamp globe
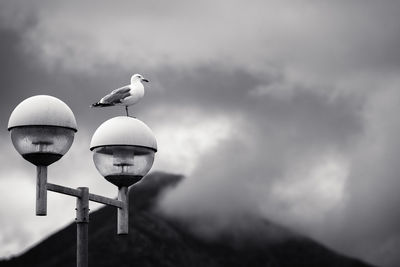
column 42, row 129
column 123, row 150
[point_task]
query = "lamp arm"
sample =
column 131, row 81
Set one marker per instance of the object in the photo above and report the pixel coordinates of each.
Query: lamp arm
column 77, row 193
column 122, row 203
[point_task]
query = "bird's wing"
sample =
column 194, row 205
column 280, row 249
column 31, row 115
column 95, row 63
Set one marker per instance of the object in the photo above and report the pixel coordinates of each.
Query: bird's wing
column 116, row 95
column 121, row 90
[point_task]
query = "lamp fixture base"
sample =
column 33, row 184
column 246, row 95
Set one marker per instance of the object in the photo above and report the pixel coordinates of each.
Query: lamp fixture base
column 123, row 179
column 42, row 158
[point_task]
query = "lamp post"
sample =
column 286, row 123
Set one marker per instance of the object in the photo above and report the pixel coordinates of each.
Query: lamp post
column 42, row 130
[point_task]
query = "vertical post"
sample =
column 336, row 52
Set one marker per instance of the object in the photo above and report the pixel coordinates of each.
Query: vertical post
column 41, row 190
column 123, row 213
column 82, row 227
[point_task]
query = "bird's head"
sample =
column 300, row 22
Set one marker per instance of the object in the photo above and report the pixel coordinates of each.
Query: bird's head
column 138, row 77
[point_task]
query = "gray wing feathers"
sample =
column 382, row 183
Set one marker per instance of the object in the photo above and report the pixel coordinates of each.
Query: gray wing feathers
column 116, row 96
column 121, row 90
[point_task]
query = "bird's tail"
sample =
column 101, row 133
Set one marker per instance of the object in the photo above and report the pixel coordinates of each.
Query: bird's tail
column 99, row 105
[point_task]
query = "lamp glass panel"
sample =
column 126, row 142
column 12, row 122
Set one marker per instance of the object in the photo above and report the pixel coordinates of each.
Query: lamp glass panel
column 42, row 145
column 123, row 165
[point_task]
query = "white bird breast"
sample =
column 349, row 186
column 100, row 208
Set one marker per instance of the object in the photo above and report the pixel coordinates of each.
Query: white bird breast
column 137, row 92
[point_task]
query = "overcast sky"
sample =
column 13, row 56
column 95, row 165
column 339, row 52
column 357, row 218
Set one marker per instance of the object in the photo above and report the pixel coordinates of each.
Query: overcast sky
column 284, row 109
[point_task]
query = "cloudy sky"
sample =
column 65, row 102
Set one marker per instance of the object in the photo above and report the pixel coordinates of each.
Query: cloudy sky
column 284, row 109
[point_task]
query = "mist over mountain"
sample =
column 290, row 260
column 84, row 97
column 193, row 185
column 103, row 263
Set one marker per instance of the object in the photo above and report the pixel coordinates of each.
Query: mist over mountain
column 156, row 239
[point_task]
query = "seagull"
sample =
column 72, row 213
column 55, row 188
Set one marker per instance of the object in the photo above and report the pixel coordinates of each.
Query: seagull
column 124, row 96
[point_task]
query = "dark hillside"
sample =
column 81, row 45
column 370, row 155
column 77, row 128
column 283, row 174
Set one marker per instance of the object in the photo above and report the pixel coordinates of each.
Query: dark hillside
column 158, row 241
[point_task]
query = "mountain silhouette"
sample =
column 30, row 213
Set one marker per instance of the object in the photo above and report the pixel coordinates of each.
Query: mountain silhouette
column 157, row 240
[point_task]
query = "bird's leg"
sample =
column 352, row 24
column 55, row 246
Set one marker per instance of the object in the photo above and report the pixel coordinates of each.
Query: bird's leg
column 126, row 109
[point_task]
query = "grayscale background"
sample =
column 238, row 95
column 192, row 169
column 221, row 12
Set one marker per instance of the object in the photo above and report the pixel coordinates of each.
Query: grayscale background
column 284, row 109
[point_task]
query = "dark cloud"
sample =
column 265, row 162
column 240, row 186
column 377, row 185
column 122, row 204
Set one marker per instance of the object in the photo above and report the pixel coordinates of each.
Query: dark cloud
column 274, row 138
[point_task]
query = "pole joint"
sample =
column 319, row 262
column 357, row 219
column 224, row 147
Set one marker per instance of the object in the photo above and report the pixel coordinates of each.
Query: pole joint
column 82, row 206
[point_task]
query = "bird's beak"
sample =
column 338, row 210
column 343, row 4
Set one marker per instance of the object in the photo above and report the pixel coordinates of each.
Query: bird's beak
column 145, row 80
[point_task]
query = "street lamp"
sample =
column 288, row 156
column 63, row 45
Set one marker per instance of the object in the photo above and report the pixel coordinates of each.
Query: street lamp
column 42, row 130
column 124, row 149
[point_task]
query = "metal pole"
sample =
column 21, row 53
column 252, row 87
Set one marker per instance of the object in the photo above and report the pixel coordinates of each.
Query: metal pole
column 123, row 213
column 41, row 190
column 82, row 227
